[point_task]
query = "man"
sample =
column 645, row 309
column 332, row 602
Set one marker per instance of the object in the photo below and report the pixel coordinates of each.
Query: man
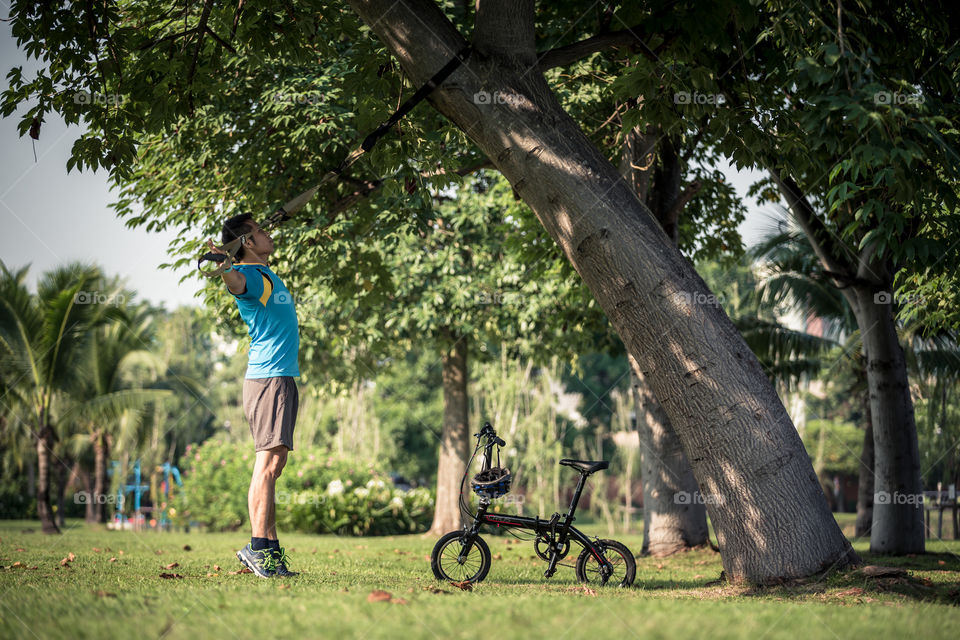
column 270, row 398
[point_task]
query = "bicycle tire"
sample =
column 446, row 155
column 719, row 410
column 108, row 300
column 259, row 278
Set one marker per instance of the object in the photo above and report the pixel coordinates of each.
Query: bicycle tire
column 588, row 568
column 443, row 559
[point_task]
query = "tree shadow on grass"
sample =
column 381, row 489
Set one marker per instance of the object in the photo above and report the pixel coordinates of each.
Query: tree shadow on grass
column 896, row 578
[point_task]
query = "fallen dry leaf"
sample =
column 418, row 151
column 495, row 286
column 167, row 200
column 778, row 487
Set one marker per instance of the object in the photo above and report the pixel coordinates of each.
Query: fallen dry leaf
column 159, row 552
column 113, row 559
column 379, row 596
column 283, row 586
column 213, row 575
column 17, row 565
column 20, row 549
column 96, row 550
column 464, row 585
column 239, row 571
column 498, row 556
column 172, row 565
column 104, row 594
column 187, row 547
column 398, row 601
column 855, row 591
column 170, row 575
column 216, row 567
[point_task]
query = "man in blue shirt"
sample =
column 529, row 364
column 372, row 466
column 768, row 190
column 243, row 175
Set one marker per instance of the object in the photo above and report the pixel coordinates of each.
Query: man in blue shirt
column 270, row 398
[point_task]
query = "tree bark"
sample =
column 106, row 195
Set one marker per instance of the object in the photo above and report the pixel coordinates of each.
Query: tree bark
column 771, row 518
column 865, row 483
column 674, row 518
column 455, row 437
column 100, row 455
column 44, row 453
column 897, row 523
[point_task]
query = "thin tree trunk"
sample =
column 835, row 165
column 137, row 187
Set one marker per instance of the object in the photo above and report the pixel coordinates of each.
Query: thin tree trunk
column 865, row 485
column 897, row 524
column 771, row 518
column 63, row 479
column 44, row 454
column 88, row 512
column 455, row 438
column 100, row 455
column 674, row 515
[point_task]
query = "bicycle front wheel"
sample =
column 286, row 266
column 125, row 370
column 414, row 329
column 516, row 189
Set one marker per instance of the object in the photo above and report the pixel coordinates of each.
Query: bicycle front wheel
column 624, row 565
column 450, row 563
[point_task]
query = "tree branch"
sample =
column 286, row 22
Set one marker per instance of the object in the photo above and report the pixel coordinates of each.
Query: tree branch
column 172, row 36
column 201, row 30
column 236, row 20
column 820, row 237
column 222, row 42
column 685, row 196
column 562, row 56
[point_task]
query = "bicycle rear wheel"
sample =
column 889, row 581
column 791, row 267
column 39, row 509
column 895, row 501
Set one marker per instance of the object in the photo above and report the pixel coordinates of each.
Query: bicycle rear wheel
column 624, row 565
column 447, row 563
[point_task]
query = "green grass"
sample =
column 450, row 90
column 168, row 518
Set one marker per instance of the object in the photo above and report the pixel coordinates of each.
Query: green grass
column 127, row 598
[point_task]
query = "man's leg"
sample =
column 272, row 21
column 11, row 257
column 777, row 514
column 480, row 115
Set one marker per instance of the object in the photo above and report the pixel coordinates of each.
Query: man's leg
column 261, row 496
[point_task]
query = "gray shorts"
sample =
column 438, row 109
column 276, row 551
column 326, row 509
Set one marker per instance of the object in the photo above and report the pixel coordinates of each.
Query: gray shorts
column 270, row 405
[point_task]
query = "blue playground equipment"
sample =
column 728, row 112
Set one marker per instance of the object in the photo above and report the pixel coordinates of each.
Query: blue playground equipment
column 139, row 490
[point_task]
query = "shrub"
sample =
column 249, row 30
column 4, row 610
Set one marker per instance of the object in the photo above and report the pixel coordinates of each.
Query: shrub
column 317, row 493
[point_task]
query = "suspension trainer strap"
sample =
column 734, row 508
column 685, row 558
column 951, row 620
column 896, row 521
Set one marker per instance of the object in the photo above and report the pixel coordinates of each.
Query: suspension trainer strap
column 285, row 212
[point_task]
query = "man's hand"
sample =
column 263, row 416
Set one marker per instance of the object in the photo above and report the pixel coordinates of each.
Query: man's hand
column 236, row 282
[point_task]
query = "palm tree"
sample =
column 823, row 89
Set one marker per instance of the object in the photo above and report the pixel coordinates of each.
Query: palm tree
column 43, row 339
column 111, row 397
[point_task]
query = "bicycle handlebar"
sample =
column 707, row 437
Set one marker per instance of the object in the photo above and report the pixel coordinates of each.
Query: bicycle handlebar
column 492, row 439
column 488, row 432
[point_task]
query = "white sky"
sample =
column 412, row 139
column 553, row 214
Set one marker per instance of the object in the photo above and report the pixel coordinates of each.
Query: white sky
column 51, row 217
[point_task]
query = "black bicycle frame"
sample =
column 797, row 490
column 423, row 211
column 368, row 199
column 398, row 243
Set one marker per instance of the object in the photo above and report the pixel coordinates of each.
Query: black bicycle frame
column 560, row 529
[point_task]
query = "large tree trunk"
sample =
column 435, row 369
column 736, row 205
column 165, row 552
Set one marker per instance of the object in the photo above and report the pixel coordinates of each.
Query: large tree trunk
column 897, row 524
column 771, row 518
column 674, row 518
column 44, row 453
column 100, row 455
column 455, row 438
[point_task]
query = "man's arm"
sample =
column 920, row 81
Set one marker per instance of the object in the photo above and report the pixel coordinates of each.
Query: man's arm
column 236, row 282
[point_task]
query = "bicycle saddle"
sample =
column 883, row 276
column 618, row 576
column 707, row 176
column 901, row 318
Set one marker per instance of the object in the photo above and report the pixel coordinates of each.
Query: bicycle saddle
column 585, row 466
